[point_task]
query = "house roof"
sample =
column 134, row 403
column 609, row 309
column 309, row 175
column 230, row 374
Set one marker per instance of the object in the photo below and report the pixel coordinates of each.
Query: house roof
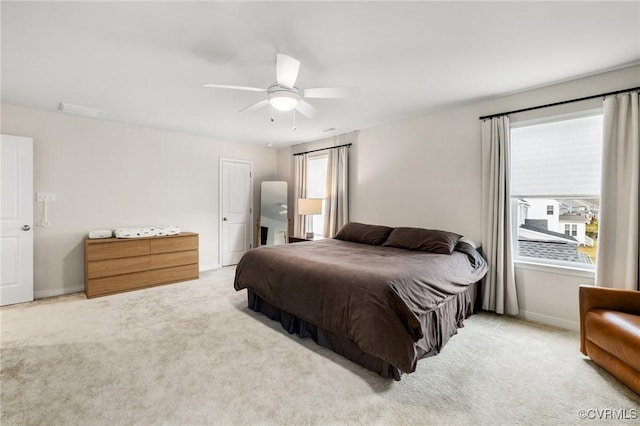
column 569, row 238
column 552, row 250
column 574, row 217
column 588, row 203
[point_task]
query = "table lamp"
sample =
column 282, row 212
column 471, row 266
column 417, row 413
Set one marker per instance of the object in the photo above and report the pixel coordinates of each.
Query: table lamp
column 309, row 207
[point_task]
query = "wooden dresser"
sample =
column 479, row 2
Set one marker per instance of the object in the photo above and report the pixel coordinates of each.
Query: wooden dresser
column 114, row 265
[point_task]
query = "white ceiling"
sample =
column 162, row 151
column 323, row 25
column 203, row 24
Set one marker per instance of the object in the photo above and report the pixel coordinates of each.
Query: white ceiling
column 145, row 62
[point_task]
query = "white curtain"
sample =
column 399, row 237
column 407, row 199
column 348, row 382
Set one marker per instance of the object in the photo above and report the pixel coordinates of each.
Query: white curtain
column 336, row 206
column 618, row 256
column 499, row 289
column 299, row 191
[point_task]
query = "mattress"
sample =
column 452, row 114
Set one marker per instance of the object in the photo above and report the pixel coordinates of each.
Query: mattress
column 394, row 304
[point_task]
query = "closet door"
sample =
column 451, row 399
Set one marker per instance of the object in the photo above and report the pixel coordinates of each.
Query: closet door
column 236, row 209
column 17, row 220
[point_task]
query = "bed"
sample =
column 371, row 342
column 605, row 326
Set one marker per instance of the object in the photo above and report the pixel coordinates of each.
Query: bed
column 381, row 297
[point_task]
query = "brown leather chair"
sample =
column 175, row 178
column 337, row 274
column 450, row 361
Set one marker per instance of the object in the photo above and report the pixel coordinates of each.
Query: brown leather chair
column 610, row 331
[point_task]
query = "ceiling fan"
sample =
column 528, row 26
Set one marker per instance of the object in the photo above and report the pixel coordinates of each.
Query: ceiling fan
column 283, row 95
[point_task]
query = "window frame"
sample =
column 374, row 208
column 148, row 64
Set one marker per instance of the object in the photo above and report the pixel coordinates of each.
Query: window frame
column 535, row 262
column 311, row 157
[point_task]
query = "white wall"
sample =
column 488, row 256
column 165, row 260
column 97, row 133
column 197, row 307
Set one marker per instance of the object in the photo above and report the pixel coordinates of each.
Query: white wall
column 426, row 172
column 549, row 295
column 108, row 175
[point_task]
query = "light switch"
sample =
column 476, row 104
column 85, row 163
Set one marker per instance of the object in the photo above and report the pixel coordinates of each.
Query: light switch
column 45, row 196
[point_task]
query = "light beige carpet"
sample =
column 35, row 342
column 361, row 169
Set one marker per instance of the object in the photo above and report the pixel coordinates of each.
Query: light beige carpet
column 191, row 353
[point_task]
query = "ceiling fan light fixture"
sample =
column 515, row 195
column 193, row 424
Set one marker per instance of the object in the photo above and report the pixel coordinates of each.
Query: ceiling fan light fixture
column 283, row 95
column 284, row 100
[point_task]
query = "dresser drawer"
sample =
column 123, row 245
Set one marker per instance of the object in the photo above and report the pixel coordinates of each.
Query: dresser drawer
column 123, row 265
column 174, row 274
column 119, row 248
column 116, row 284
column 172, row 244
column 166, row 260
column 114, row 265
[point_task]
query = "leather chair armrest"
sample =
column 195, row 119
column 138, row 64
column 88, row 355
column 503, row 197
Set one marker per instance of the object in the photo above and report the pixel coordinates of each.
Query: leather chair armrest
column 605, row 298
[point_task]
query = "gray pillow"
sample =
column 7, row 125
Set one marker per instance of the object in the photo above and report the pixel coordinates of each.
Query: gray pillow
column 430, row 240
column 364, row 234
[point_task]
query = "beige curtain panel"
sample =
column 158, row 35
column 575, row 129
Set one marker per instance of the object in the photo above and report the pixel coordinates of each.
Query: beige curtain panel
column 336, row 206
column 299, row 191
column 499, row 289
column 618, row 260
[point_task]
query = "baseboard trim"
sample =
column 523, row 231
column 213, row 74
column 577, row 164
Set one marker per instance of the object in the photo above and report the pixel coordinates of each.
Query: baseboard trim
column 209, row 267
column 547, row 320
column 43, row 294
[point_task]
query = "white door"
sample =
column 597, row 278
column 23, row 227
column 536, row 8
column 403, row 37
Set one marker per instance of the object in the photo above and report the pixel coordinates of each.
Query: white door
column 236, row 209
column 17, row 220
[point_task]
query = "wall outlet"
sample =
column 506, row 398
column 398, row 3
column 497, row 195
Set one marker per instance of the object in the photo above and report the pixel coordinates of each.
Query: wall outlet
column 45, row 196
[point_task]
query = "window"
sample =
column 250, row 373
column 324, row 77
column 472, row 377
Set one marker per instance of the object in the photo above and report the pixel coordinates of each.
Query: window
column 555, row 189
column 317, row 186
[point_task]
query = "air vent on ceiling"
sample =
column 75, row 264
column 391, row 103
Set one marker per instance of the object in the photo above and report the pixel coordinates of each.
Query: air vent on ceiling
column 79, row 110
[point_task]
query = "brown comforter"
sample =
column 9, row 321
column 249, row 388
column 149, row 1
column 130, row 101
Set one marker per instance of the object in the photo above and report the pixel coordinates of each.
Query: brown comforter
column 371, row 294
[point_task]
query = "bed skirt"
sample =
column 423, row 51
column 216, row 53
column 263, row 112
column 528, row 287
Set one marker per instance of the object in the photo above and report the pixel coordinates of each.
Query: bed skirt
column 439, row 325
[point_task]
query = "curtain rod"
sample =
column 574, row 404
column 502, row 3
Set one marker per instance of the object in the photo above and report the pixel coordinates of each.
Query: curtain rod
column 322, row 149
column 560, row 103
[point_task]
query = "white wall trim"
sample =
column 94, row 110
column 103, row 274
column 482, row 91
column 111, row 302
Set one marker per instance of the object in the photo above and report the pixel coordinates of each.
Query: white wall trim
column 547, row 320
column 555, row 269
column 43, row 294
column 212, row 267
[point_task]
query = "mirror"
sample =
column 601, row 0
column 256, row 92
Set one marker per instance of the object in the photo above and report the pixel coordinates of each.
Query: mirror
column 273, row 213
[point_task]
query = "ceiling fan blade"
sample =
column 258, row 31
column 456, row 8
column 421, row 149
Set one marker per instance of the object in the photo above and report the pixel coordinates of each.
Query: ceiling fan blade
column 256, row 106
column 332, row 92
column 286, row 70
column 225, row 86
column 306, row 109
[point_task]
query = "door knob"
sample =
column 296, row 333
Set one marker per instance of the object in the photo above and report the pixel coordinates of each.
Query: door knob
column 224, row 218
column 25, row 227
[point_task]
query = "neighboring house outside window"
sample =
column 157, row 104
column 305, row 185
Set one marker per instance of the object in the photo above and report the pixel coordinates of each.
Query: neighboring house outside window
column 569, row 224
column 555, row 189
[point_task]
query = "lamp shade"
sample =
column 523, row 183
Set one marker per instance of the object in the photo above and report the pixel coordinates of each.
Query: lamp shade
column 283, row 100
column 309, row 206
